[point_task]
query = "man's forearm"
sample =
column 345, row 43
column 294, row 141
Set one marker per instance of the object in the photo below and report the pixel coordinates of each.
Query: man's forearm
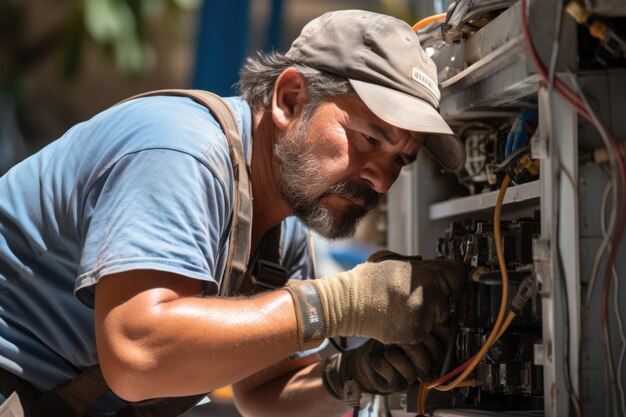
column 298, row 393
column 183, row 345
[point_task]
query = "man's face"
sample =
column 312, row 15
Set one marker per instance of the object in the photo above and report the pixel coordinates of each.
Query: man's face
column 336, row 162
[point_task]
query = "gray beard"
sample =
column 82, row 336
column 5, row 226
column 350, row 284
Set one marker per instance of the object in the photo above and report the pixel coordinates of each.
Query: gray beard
column 303, row 187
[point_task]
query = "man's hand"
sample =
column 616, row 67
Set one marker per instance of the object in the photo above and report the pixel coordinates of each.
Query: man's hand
column 391, row 298
column 385, row 369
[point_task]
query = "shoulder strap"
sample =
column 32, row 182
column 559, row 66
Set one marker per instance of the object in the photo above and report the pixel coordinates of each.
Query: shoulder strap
column 240, row 234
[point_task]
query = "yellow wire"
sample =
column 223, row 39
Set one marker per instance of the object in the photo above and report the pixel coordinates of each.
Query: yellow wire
column 428, row 20
column 495, row 332
column 468, row 383
column 505, row 325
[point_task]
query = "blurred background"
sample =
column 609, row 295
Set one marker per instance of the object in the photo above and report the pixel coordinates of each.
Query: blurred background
column 63, row 61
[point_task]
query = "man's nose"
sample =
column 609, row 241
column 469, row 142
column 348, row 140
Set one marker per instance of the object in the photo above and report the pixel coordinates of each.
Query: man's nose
column 379, row 175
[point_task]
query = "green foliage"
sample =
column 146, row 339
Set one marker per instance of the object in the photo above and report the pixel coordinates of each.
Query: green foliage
column 118, row 27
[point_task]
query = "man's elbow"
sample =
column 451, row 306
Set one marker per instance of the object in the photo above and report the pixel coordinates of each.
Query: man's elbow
column 129, row 371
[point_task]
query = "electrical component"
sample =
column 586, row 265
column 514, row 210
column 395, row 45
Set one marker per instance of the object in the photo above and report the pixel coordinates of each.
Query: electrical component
column 473, row 242
column 484, row 147
column 480, row 147
column 600, row 155
column 508, row 367
column 464, row 17
column 493, row 152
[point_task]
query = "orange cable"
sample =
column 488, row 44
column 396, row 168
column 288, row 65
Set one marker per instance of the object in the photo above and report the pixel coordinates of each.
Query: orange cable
column 495, row 332
column 428, row 20
column 506, row 324
column 422, row 393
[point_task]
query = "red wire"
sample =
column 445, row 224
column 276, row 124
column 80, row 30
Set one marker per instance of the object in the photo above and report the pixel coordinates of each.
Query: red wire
column 576, row 102
column 452, row 374
column 564, row 91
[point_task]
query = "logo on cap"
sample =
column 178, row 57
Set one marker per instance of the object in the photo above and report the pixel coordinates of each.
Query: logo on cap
column 427, row 82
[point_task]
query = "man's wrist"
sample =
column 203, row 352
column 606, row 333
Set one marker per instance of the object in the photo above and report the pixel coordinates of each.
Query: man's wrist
column 309, row 314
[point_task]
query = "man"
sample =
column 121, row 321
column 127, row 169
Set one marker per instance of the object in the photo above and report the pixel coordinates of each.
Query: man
column 115, row 238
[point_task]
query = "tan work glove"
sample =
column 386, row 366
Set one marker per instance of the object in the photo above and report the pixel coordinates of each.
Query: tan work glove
column 390, row 298
column 385, row 369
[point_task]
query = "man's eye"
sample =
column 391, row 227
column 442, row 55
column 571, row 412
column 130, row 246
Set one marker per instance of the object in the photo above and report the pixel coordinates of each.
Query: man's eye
column 371, row 140
column 401, row 161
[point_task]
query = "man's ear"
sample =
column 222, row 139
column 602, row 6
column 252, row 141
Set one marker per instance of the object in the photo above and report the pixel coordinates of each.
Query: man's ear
column 289, row 97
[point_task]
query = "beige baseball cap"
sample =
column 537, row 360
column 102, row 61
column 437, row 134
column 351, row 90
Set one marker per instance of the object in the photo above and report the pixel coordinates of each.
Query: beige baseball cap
column 382, row 58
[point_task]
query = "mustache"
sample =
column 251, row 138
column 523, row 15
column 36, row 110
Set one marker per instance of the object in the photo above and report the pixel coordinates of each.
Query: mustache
column 356, row 190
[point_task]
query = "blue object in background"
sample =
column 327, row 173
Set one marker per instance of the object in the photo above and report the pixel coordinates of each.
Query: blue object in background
column 520, row 135
column 222, row 43
column 349, row 253
column 275, row 24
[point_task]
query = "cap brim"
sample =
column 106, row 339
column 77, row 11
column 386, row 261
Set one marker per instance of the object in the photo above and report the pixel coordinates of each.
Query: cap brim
column 448, row 150
column 407, row 112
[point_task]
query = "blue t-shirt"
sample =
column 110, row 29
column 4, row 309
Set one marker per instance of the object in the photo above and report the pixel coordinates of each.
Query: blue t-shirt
column 147, row 184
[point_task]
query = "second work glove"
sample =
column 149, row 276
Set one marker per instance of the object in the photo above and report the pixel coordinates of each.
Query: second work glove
column 390, row 298
column 384, row 369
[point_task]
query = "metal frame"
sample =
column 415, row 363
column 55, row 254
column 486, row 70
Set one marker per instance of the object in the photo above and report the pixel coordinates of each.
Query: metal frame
column 559, row 202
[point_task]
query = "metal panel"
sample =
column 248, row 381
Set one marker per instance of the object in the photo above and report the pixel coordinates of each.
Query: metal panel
column 410, row 231
column 401, row 213
column 492, row 69
column 483, row 201
column 559, row 226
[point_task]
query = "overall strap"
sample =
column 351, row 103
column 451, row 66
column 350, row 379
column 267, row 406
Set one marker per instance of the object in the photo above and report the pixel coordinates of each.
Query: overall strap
column 241, row 225
column 270, row 245
column 268, row 272
column 265, row 271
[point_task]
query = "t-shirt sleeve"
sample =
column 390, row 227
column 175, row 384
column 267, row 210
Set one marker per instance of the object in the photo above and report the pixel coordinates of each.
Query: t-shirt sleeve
column 156, row 209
